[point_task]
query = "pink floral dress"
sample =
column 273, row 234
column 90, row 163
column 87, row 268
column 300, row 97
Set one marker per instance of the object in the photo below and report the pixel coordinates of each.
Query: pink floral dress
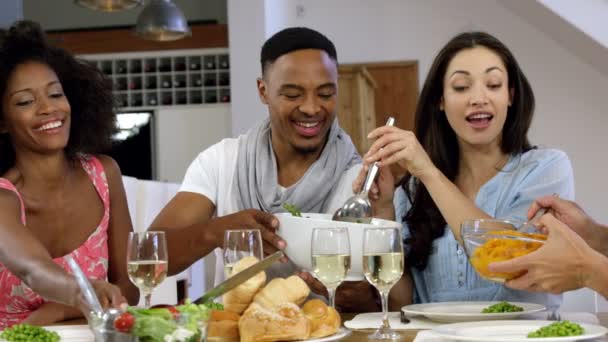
column 17, row 300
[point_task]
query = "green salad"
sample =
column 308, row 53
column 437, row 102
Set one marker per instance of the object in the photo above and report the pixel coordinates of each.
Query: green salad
column 179, row 323
column 558, row 329
column 28, row 333
column 503, row 306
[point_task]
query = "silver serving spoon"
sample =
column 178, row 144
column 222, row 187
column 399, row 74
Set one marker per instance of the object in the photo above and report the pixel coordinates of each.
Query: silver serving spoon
column 85, row 286
column 100, row 321
column 358, row 209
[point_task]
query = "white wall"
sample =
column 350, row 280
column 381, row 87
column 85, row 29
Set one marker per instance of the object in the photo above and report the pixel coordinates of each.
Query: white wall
column 246, row 34
column 571, row 96
column 183, row 132
column 10, row 11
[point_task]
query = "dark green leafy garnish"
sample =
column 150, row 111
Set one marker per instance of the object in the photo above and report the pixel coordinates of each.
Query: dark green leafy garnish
column 295, row 211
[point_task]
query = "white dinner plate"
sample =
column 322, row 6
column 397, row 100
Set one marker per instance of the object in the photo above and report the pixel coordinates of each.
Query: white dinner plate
column 73, row 333
column 450, row 312
column 340, row 334
column 510, row 331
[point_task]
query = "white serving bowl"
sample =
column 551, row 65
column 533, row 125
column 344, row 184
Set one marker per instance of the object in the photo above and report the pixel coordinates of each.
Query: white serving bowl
column 297, row 232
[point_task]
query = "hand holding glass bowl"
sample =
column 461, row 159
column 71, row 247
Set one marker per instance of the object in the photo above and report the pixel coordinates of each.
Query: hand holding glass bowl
column 492, row 240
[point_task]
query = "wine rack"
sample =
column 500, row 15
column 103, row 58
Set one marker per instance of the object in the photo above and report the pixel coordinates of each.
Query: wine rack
column 167, row 78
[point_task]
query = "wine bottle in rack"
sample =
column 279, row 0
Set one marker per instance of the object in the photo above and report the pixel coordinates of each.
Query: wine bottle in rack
column 182, row 98
column 150, row 66
column 135, row 67
column 167, row 99
column 121, row 84
column 195, row 97
column 195, row 65
column 165, row 65
column 210, row 97
column 179, row 83
column 210, row 64
column 224, row 79
column 210, row 80
column 151, row 83
column 136, row 101
column 180, row 66
column 135, row 84
column 121, row 68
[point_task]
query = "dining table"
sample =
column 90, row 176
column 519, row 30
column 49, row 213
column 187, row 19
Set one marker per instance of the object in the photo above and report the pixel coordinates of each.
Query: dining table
column 410, row 334
column 407, row 335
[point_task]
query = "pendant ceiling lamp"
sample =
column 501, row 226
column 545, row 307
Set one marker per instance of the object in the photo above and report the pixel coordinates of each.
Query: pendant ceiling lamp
column 162, row 20
column 109, row 5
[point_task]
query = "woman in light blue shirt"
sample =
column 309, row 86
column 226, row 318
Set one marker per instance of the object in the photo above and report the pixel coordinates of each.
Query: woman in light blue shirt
column 468, row 158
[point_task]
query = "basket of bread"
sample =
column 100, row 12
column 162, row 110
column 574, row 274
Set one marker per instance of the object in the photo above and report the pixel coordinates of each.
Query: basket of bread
column 273, row 311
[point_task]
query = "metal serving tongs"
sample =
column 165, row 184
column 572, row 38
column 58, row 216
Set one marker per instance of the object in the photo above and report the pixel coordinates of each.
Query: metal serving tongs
column 85, row 286
column 100, row 321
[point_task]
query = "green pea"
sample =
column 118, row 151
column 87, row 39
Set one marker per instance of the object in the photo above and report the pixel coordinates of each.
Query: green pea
column 558, row 329
column 502, row 307
column 28, row 333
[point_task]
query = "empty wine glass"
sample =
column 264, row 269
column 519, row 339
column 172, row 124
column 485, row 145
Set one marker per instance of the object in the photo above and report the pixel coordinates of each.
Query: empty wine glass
column 147, row 261
column 330, row 250
column 240, row 243
column 383, row 267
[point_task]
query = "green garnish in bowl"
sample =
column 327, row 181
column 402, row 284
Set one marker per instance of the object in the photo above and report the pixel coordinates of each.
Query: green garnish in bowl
column 295, row 211
column 184, row 323
column 503, row 306
column 558, row 329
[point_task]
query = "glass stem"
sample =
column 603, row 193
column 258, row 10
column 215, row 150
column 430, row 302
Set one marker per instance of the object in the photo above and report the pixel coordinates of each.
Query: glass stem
column 332, row 297
column 384, row 298
column 147, row 298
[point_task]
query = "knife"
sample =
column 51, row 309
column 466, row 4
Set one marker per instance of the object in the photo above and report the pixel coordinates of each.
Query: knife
column 239, row 278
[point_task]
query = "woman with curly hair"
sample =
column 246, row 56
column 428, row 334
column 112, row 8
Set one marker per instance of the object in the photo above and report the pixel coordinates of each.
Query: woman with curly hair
column 468, row 158
column 58, row 196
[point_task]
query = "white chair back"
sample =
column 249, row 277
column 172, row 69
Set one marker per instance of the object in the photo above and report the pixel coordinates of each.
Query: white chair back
column 145, row 200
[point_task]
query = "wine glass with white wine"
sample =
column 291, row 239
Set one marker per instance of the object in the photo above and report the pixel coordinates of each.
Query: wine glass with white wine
column 240, row 243
column 383, row 267
column 330, row 250
column 147, row 261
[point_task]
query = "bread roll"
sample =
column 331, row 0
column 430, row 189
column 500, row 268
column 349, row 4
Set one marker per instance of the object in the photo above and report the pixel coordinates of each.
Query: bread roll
column 279, row 291
column 324, row 320
column 239, row 298
column 285, row 322
column 223, row 325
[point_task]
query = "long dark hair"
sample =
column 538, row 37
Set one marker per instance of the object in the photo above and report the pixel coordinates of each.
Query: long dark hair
column 439, row 139
column 89, row 92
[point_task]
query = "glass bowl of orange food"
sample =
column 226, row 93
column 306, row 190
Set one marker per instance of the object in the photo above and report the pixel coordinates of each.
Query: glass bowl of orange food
column 492, row 240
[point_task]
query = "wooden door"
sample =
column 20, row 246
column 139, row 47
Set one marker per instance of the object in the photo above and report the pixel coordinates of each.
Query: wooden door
column 356, row 105
column 395, row 94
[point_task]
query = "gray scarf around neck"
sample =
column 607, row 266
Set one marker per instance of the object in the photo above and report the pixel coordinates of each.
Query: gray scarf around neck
column 256, row 172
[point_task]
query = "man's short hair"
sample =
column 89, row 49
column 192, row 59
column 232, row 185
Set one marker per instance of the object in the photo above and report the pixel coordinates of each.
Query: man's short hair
column 293, row 39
